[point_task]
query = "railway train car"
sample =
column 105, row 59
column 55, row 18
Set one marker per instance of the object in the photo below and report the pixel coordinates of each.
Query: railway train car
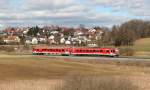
column 77, row 51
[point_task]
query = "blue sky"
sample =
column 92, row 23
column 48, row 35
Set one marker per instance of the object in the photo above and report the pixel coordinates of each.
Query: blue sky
column 72, row 12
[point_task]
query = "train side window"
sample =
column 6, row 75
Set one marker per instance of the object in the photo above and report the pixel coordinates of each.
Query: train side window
column 59, row 50
column 43, row 49
column 63, row 50
column 91, row 50
column 97, row 50
column 82, row 50
column 107, row 51
column 87, row 50
column 53, row 50
column 94, row 50
column 101, row 51
column 113, row 51
column 77, row 50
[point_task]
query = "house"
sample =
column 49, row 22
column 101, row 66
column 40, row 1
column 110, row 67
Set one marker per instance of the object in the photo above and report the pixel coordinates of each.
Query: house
column 92, row 30
column 28, row 40
column 78, row 33
column 67, row 42
column 42, row 39
column 54, row 32
column 12, row 39
column 51, row 39
column 62, row 40
column 9, row 30
column 92, row 45
column 34, row 41
column 2, row 33
column 25, row 31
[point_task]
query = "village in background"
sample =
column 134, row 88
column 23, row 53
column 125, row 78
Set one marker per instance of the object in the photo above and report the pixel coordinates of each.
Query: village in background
column 123, row 36
column 51, row 35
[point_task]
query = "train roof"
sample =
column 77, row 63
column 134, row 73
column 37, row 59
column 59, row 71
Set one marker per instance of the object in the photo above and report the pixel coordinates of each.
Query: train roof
column 48, row 47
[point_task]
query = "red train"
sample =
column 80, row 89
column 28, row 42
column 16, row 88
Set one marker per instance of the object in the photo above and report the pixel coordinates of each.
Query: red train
column 76, row 51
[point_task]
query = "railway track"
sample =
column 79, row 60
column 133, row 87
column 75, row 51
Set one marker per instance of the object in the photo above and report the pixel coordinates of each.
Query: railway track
column 121, row 58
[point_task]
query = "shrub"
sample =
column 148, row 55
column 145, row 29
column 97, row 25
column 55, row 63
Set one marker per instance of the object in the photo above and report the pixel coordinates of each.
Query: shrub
column 127, row 51
column 10, row 49
column 97, row 83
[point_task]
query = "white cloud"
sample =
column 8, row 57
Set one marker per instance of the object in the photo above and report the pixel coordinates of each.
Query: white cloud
column 50, row 2
column 71, row 12
column 47, row 4
column 133, row 7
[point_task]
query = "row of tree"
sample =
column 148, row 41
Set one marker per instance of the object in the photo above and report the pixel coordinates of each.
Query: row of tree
column 127, row 33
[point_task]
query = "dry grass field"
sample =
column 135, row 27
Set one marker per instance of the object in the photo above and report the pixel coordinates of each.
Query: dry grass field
column 50, row 73
column 142, row 47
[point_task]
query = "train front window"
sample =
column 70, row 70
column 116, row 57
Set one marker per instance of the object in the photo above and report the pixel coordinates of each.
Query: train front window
column 111, row 51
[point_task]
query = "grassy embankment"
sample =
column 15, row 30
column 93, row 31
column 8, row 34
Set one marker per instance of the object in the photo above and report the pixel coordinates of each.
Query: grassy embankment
column 142, row 47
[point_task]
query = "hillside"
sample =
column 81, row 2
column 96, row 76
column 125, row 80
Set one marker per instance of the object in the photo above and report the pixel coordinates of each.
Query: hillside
column 142, row 46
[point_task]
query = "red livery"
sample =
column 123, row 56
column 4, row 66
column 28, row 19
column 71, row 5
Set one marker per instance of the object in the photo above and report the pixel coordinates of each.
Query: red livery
column 76, row 51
